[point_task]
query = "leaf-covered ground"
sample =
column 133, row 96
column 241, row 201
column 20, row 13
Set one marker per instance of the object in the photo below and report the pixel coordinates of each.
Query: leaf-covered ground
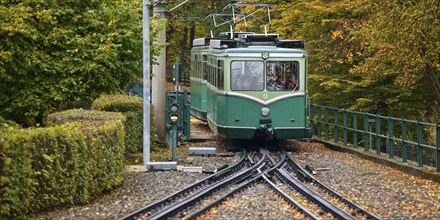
column 387, row 192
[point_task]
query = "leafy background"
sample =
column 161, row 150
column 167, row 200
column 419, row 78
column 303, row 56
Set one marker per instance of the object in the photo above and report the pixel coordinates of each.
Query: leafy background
column 56, row 55
column 376, row 56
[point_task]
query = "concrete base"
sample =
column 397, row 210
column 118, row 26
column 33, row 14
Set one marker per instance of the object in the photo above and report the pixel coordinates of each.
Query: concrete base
column 161, row 166
column 190, row 169
column 202, row 151
column 136, row 169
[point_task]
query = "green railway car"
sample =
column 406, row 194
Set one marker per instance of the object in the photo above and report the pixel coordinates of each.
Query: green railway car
column 199, row 71
column 257, row 88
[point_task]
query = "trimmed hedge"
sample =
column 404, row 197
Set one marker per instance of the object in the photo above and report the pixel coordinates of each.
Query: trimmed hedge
column 132, row 108
column 69, row 163
column 119, row 103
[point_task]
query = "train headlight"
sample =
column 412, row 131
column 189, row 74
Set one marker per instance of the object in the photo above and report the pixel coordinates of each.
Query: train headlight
column 265, row 55
column 265, row 112
column 174, row 118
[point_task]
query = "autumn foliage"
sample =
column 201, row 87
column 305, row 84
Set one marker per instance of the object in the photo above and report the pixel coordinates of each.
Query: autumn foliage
column 375, row 56
column 59, row 54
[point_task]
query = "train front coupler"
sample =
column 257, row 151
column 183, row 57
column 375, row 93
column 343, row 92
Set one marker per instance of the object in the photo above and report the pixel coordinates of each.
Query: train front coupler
column 267, row 129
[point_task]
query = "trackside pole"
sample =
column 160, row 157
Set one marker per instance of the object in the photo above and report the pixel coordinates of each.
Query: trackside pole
column 146, row 79
column 146, row 94
column 146, row 87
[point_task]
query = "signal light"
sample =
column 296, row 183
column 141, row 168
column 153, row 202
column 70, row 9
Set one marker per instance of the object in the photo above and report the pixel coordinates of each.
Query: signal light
column 174, row 118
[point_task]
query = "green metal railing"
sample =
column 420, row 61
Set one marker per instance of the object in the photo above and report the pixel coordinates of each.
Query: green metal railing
column 398, row 137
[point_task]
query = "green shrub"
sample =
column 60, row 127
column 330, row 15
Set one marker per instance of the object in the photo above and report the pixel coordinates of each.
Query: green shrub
column 118, row 103
column 7, row 124
column 90, row 117
column 69, row 163
column 16, row 174
column 132, row 108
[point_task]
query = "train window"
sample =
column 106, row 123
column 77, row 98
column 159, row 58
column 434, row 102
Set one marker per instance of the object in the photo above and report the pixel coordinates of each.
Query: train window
column 195, row 67
column 282, row 75
column 205, row 66
column 214, row 74
column 192, row 69
column 220, row 74
column 247, row 75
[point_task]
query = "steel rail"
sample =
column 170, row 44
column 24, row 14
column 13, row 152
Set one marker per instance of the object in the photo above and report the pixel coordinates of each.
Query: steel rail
column 289, row 199
column 217, row 202
column 260, row 175
column 311, row 195
column 280, row 192
column 236, row 166
column 291, row 162
column 208, row 191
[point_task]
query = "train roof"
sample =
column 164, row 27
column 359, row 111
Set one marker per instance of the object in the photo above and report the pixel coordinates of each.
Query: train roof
column 250, row 45
column 246, row 40
column 257, row 51
column 223, row 36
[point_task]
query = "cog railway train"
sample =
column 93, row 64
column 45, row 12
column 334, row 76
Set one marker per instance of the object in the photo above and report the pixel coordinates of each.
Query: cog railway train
column 250, row 86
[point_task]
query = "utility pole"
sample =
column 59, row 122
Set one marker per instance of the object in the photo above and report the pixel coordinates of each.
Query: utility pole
column 159, row 78
column 146, row 79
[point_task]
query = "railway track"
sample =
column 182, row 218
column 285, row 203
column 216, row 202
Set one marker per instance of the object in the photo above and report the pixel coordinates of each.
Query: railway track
column 276, row 170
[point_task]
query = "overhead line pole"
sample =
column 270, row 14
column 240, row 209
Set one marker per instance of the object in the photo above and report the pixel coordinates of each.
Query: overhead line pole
column 160, row 93
column 146, row 79
column 159, row 74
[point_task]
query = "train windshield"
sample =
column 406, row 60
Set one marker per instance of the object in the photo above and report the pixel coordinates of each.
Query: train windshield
column 247, row 75
column 282, row 75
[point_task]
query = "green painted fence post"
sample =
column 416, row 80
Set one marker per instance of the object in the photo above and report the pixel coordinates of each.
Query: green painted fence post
column 345, row 127
column 319, row 121
column 390, row 137
column 335, row 126
column 378, row 150
column 355, row 134
column 174, row 142
column 311, row 118
column 404, row 144
column 419, row 144
column 326, row 124
column 438, row 146
column 366, row 142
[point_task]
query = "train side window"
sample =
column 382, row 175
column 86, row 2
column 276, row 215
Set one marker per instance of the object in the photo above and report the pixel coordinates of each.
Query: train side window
column 214, row 69
column 196, row 67
column 282, row 76
column 220, row 72
column 205, row 66
column 209, row 74
column 199, row 68
column 212, row 75
column 247, row 75
column 191, row 73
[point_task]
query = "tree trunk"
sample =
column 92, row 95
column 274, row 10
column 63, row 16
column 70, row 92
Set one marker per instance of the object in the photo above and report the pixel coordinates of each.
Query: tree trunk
column 184, row 45
column 433, row 81
column 192, row 34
